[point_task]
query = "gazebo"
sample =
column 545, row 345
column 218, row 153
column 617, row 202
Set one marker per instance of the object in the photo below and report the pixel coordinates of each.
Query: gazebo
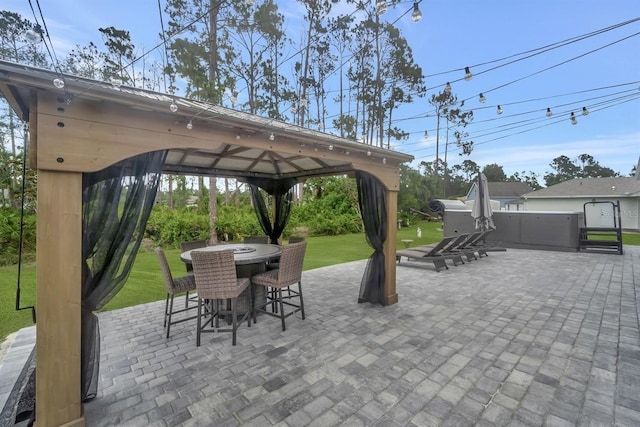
column 81, row 130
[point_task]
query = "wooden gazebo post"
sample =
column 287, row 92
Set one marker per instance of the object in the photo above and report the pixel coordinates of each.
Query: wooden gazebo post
column 58, row 299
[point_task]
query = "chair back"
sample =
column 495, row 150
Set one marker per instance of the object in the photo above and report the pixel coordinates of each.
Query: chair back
column 256, row 239
column 439, row 246
column 296, row 239
column 166, row 271
column 290, row 266
column 194, row 244
column 215, row 274
column 459, row 239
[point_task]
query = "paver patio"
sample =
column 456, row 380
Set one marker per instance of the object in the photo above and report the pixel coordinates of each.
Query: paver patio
column 521, row 337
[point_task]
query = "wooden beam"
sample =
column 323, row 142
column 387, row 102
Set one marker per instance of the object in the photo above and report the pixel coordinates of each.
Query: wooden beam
column 389, row 249
column 58, row 299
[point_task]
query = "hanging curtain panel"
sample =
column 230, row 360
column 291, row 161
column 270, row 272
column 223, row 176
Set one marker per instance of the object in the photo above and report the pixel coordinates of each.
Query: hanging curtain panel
column 372, row 198
column 116, row 204
column 282, row 192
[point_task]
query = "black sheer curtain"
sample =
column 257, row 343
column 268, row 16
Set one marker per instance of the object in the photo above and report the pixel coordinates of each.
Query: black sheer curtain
column 372, row 197
column 116, row 203
column 282, row 192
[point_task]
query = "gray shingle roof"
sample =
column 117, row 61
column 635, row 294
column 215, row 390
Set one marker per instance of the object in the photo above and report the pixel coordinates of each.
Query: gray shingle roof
column 508, row 189
column 591, row 187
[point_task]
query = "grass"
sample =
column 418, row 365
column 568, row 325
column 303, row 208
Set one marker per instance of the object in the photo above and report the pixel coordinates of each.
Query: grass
column 145, row 283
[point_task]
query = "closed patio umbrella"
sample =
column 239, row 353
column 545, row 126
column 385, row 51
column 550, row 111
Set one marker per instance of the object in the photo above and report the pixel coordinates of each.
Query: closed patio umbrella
column 482, row 211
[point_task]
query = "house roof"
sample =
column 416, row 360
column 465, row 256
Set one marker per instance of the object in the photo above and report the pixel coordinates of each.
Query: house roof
column 590, row 187
column 508, row 189
column 511, row 190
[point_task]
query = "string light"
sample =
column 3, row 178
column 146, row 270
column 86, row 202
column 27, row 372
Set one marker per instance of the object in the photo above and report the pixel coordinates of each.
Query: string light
column 417, row 14
column 482, row 99
column 499, row 111
column 573, row 119
column 426, row 134
column 467, row 74
column 330, row 147
column 384, row 160
column 59, row 83
column 549, row 113
column 173, row 107
column 585, row 111
column 368, row 152
column 190, row 125
column 116, row 83
column 447, row 88
column 272, row 137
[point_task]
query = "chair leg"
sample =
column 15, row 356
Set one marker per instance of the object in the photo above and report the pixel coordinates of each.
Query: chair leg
column 169, row 315
column 253, row 299
column 166, row 310
column 234, row 320
column 186, row 300
column 301, row 300
column 281, row 308
column 199, row 322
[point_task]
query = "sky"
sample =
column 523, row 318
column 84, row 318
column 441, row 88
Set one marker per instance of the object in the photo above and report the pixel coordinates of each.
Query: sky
column 600, row 72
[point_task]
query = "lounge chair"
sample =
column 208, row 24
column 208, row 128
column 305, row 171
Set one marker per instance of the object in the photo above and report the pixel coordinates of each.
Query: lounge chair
column 467, row 248
column 432, row 254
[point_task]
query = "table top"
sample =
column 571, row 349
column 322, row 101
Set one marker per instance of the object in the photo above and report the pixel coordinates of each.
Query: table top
column 243, row 253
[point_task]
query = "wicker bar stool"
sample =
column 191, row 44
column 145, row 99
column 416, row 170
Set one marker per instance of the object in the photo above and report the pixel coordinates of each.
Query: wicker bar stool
column 187, row 246
column 218, row 289
column 174, row 286
column 288, row 274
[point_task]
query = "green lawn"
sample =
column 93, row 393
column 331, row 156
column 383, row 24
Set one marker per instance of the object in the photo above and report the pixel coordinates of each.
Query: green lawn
column 145, row 283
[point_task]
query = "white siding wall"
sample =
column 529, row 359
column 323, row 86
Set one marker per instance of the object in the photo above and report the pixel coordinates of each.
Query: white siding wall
column 598, row 215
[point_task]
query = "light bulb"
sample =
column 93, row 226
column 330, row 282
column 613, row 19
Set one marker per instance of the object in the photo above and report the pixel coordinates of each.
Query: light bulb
column 173, row 107
column 482, row 99
column 330, row 147
column 499, row 111
column 381, row 7
column 116, row 83
column 573, row 119
column 447, row 87
column 34, row 35
column 426, row 134
column 384, row 160
column 368, row 152
column 272, row 137
column 190, row 125
column 347, row 152
column 417, row 14
column 59, row 83
column 585, row 111
column 549, row 113
column 467, row 74
column 238, row 136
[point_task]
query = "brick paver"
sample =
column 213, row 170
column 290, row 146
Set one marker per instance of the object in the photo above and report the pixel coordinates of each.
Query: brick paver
column 520, row 337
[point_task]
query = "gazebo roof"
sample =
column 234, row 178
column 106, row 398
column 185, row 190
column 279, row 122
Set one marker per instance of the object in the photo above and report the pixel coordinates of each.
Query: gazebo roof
column 221, row 141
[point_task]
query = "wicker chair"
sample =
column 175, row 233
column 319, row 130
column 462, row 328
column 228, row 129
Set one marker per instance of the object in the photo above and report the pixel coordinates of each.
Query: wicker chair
column 256, row 239
column 288, row 274
column 187, row 246
column 217, row 284
column 174, row 286
column 274, row 264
